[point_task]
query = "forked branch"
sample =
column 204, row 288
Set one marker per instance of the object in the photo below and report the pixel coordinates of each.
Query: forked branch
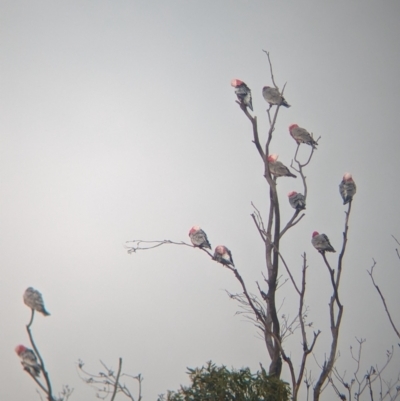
column 106, row 383
column 47, row 389
column 358, row 383
column 371, row 274
column 335, row 316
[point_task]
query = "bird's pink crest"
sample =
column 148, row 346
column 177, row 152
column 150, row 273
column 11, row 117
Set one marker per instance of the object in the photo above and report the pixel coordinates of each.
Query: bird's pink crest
column 220, row 249
column 194, row 229
column 236, row 82
column 293, row 126
column 315, row 233
column 291, row 193
column 19, row 349
column 273, row 157
column 347, row 177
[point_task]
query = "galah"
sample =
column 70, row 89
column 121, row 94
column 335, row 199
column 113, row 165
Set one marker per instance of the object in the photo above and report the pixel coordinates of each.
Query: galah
column 347, row 188
column 274, row 97
column 223, row 255
column 278, row 169
column 199, row 237
column 34, row 300
column 28, row 360
column 321, row 242
column 296, row 200
column 243, row 92
column 301, row 135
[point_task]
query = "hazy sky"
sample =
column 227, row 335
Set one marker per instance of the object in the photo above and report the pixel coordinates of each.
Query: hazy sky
column 119, row 122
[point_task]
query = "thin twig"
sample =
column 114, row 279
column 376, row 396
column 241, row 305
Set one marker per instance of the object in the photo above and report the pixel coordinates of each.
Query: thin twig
column 289, row 273
column 270, row 68
column 332, row 276
column 371, row 274
column 245, row 292
column 116, row 380
column 341, row 255
column 45, row 374
column 137, row 245
column 253, row 120
column 292, row 222
column 335, row 319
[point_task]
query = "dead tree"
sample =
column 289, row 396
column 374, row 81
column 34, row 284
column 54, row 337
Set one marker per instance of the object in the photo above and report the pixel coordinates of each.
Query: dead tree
column 262, row 309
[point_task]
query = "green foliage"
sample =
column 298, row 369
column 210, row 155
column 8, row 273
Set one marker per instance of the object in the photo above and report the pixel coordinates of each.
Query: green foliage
column 213, row 383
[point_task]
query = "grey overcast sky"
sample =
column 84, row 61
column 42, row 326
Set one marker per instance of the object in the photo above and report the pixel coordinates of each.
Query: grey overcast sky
column 118, row 122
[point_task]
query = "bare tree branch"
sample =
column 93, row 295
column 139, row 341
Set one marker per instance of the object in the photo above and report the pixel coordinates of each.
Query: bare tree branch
column 116, row 380
column 47, row 390
column 371, row 274
column 270, row 68
column 335, row 318
column 367, row 380
column 253, row 120
column 264, row 314
column 141, row 245
column 106, row 383
column 258, row 221
column 292, row 222
column 397, row 251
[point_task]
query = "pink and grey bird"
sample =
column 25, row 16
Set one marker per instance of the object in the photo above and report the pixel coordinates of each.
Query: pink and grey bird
column 321, row 242
column 278, row 169
column 243, row 93
column 223, row 255
column 28, row 360
column 301, row 135
column 347, row 188
column 274, row 97
column 34, row 300
column 296, row 200
column 199, row 237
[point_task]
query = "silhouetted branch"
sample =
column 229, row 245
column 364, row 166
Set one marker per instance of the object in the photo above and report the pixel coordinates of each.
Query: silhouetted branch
column 265, row 316
column 106, row 383
column 309, row 382
column 344, row 244
column 253, row 120
column 245, row 292
column 65, row 393
column 332, row 276
column 306, row 349
column 292, row 222
column 289, row 273
column 367, row 380
column 258, row 221
column 296, row 382
column 335, row 318
column 299, row 164
column 271, row 322
column 270, row 68
column 47, row 390
column 371, row 274
column 141, row 245
column 116, row 380
column 397, row 251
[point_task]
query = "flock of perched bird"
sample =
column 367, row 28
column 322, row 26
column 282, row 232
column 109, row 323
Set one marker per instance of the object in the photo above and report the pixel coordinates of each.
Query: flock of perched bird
column 34, row 300
column 347, row 187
